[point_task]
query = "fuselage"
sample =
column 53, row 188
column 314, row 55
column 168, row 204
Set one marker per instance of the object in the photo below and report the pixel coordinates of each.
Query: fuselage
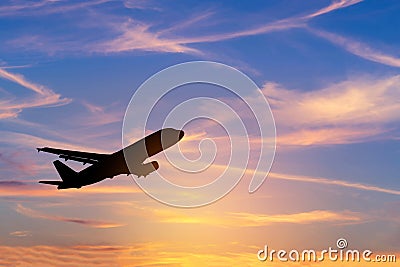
column 126, row 161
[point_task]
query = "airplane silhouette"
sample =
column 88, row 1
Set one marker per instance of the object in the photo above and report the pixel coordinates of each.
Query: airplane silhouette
column 110, row 165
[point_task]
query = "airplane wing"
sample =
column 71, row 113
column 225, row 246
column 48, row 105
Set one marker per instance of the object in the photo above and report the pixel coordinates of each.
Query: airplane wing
column 84, row 157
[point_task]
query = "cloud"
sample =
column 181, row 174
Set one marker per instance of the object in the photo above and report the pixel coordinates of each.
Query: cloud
column 330, row 136
column 326, row 181
column 315, row 216
column 86, row 222
column 319, row 180
column 139, row 37
column 351, row 111
column 148, row 254
column 133, row 36
column 22, row 5
column 99, row 116
column 11, row 183
column 128, row 34
column 20, row 233
column 43, row 97
column 44, row 7
column 335, row 5
column 17, row 162
column 360, row 109
column 358, row 48
column 284, row 24
column 137, row 254
column 141, row 4
column 33, row 190
column 31, row 142
column 244, row 219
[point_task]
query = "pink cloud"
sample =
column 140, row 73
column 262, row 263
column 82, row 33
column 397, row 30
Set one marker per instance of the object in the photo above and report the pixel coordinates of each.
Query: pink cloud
column 359, row 49
column 43, row 96
column 356, row 110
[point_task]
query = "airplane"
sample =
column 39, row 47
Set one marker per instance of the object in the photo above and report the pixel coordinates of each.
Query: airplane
column 110, row 165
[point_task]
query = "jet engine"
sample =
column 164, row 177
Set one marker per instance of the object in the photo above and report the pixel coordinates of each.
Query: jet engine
column 146, row 169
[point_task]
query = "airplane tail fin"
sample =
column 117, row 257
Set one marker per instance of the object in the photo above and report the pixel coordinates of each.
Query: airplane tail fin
column 65, row 172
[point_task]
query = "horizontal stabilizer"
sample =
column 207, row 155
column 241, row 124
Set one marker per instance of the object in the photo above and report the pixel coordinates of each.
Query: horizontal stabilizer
column 51, row 182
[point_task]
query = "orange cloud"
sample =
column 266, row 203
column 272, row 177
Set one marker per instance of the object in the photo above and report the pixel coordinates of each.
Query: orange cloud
column 151, row 254
column 353, row 102
column 244, row 219
column 315, row 216
column 91, row 223
column 352, row 111
column 347, row 112
column 328, row 136
column 21, row 189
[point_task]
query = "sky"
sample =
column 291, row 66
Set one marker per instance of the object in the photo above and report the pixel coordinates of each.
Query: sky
column 330, row 73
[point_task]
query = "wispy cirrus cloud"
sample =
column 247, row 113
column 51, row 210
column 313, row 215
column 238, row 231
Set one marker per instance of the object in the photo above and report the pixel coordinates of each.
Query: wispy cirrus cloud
column 20, row 233
column 283, row 24
column 320, row 180
column 245, row 219
column 43, row 97
column 134, row 36
column 44, row 7
column 316, row 180
column 99, row 115
column 356, row 110
column 131, row 35
column 351, row 111
column 128, row 34
column 14, row 7
column 328, row 136
column 336, row 182
column 315, row 216
column 86, row 222
column 17, row 162
column 335, row 5
column 359, row 49
column 32, row 142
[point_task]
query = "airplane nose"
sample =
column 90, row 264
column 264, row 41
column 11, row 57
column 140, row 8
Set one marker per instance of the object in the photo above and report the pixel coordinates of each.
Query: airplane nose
column 181, row 134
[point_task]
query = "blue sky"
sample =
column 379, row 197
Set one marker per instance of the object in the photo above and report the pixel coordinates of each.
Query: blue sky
column 329, row 69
